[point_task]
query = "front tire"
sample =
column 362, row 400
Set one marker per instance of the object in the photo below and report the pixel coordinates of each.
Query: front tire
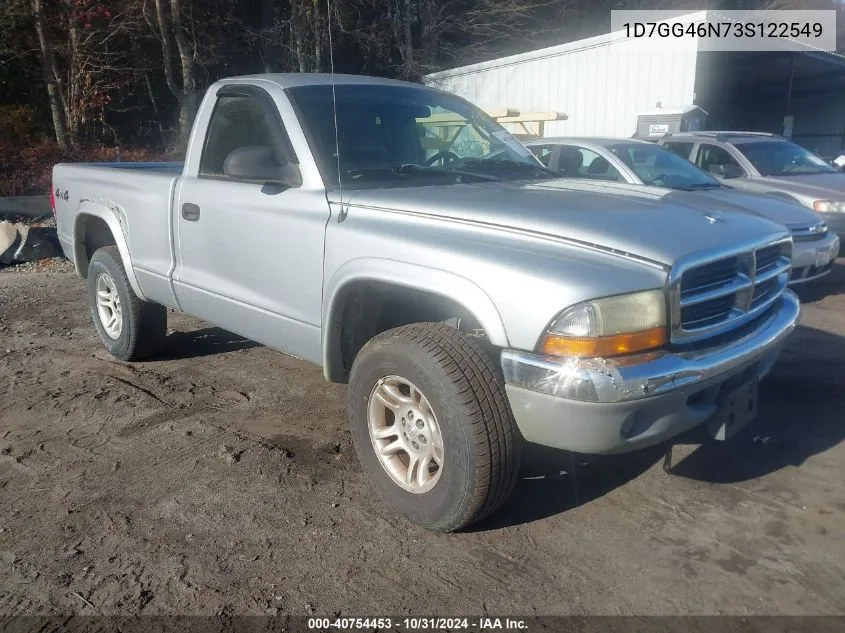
column 131, row 329
column 432, row 426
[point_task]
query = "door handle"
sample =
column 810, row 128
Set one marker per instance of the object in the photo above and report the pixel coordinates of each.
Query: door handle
column 191, row 212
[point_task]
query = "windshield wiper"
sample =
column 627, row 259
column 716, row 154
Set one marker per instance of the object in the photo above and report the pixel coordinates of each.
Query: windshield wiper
column 409, row 170
column 509, row 163
column 413, row 168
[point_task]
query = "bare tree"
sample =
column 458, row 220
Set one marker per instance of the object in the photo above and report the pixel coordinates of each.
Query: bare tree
column 299, row 33
column 169, row 21
column 52, row 81
column 318, row 25
column 406, row 22
column 268, row 33
column 98, row 60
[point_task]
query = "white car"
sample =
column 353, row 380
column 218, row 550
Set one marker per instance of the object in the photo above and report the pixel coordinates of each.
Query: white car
column 646, row 164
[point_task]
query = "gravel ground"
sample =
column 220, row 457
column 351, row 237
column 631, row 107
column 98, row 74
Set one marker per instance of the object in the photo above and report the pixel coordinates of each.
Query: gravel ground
column 52, row 265
column 220, row 479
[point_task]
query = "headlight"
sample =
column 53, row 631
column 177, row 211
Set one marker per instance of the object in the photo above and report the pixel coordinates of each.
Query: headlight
column 612, row 326
column 829, row 206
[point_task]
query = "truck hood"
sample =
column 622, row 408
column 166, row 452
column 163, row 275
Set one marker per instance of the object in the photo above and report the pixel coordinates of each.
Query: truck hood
column 645, row 222
column 784, row 212
column 815, row 186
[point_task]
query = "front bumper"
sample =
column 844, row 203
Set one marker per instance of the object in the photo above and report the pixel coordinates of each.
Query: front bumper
column 616, row 406
column 813, row 260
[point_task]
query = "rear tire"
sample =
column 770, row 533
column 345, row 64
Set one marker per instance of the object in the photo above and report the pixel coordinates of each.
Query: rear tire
column 460, row 399
column 131, row 329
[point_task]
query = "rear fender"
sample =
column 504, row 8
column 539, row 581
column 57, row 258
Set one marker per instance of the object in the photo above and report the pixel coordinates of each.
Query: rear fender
column 115, row 219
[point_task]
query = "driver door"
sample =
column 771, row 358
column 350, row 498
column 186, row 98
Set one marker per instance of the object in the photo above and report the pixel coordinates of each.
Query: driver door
column 249, row 254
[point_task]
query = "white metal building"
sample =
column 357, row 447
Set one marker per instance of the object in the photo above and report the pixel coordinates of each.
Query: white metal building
column 603, row 83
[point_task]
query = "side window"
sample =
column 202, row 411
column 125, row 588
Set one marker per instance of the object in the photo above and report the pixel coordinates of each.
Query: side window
column 681, row 149
column 716, row 160
column 543, row 153
column 580, row 162
column 240, row 121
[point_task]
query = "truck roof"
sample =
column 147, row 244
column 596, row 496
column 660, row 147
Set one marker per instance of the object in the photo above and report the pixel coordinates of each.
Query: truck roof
column 293, row 80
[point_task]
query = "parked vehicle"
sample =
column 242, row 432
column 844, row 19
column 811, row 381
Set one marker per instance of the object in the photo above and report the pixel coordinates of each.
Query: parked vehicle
column 416, row 250
column 641, row 163
column 769, row 164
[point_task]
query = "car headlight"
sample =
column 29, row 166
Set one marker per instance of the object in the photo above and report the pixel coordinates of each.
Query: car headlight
column 612, row 326
column 829, row 206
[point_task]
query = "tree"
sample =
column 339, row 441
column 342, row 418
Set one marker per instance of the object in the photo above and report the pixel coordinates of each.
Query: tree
column 98, row 63
column 52, row 80
column 169, row 20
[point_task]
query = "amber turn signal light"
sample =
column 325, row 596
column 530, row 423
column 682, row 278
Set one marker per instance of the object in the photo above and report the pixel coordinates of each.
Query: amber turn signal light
column 605, row 346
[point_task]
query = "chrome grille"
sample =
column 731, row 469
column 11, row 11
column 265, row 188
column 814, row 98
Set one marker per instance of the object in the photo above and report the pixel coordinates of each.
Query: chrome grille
column 809, row 233
column 712, row 275
column 714, row 295
column 707, row 312
column 763, row 291
column 766, row 258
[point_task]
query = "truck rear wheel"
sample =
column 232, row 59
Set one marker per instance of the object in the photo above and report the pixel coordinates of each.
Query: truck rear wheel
column 432, row 427
column 130, row 329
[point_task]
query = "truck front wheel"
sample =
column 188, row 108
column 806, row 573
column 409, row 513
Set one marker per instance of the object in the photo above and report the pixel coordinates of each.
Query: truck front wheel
column 431, row 425
column 130, row 329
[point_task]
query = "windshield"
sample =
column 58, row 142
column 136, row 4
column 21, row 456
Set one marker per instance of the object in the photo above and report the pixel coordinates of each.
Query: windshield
column 782, row 158
column 657, row 166
column 391, row 135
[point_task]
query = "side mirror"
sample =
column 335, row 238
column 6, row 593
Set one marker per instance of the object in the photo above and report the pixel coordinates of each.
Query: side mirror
column 726, row 171
column 258, row 163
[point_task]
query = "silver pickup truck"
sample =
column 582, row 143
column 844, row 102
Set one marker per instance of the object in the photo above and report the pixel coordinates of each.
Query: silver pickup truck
column 401, row 239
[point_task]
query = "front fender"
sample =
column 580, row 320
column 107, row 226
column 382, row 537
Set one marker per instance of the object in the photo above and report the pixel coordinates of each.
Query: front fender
column 113, row 217
column 432, row 280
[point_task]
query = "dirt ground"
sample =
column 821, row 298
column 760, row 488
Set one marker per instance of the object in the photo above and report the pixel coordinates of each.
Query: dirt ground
column 220, row 479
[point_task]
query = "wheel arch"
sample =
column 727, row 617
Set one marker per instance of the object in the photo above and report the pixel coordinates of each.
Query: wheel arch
column 96, row 226
column 439, row 290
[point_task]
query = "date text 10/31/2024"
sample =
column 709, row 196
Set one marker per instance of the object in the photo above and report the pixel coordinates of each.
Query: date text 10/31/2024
column 417, row 624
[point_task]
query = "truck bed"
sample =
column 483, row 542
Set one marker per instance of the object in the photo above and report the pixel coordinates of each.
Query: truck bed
column 139, row 195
